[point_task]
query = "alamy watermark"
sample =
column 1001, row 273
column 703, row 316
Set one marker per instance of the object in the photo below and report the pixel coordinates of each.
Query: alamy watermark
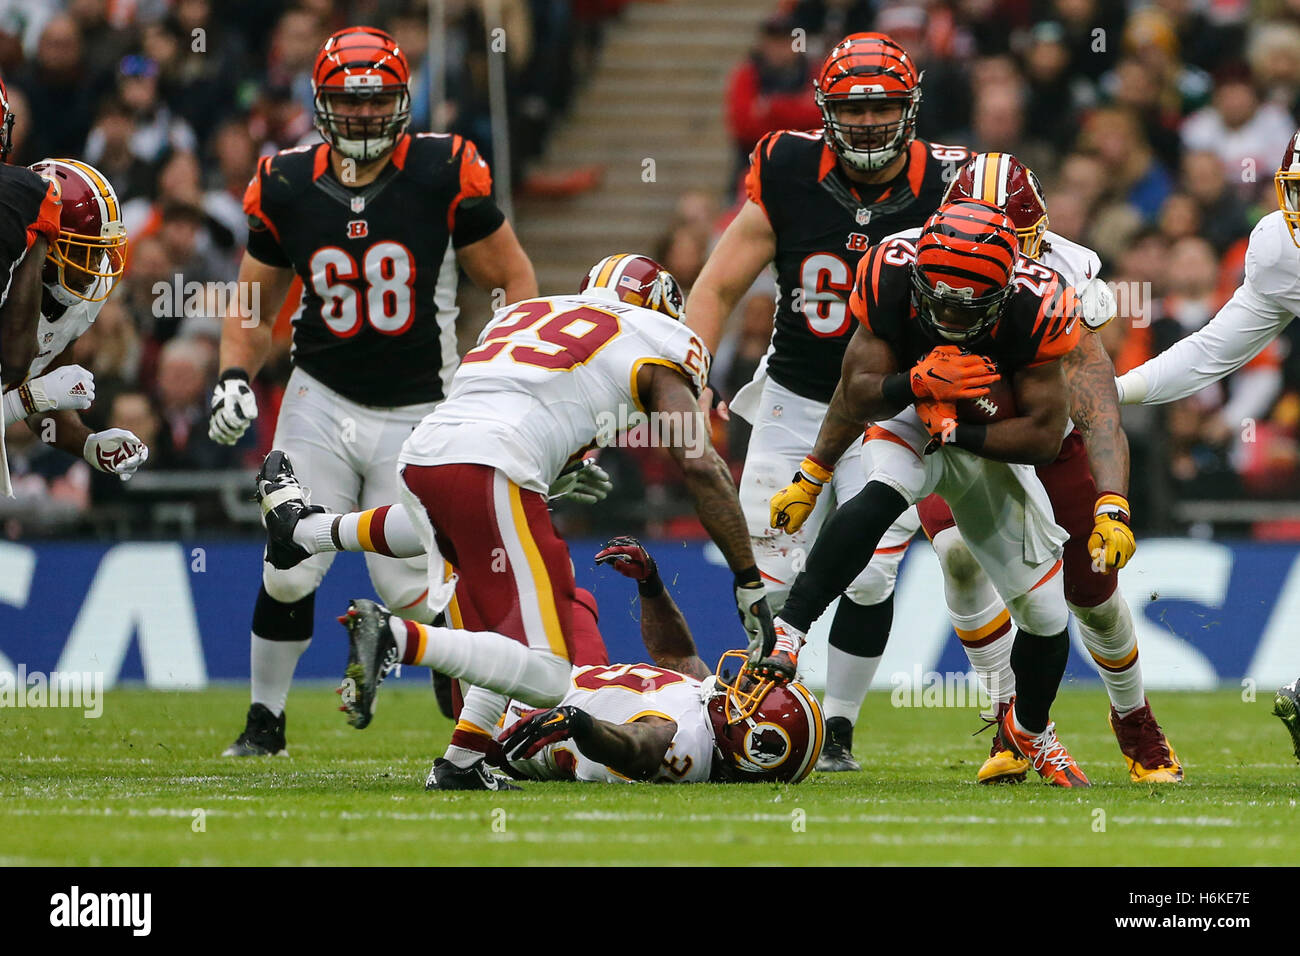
column 935, row 689
column 633, row 428
column 79, row 690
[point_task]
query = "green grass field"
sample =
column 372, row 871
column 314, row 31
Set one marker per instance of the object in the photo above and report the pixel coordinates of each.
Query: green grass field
column 123, row 789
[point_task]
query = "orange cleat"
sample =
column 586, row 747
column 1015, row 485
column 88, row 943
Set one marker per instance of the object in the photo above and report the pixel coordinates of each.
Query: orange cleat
column 1044, row 751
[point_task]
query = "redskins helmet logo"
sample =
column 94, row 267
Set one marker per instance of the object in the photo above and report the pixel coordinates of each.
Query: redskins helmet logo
column 767, row 745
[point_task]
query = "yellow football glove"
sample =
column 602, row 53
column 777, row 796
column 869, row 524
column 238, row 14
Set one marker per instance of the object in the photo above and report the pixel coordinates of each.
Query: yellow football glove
column 1111, row 543
column 792, row 505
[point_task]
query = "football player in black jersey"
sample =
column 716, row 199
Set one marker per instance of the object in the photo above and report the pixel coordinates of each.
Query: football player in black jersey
column 816, row 201
column 373, row 221
column 942, row 319
column 29, row 223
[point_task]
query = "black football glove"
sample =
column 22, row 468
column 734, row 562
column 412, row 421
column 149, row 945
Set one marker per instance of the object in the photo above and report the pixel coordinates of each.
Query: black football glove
column 543, row 727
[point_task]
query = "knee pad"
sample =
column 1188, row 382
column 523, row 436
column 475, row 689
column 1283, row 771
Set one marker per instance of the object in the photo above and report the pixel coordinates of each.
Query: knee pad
column 297, row 582
column 275, row 620
column 402, row 585
column 876, row 582
column 1108, row 619
column 1041, row 611
column 958, row 564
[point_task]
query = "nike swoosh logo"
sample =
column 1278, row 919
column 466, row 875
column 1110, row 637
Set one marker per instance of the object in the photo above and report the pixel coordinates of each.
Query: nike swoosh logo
column 932, row 374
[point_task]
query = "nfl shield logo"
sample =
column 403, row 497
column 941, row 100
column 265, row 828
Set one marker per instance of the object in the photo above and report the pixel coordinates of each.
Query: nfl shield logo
column 863, row 217
column 358, row 204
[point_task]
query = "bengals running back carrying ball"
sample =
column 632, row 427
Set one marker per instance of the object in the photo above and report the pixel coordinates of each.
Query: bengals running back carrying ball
column 816, row 201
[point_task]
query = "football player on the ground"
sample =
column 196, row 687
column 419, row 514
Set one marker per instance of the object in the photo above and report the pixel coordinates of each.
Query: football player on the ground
column 549, row 377
column 1094, row 455
column 29, row 223
column 941, row 321
column 1265, row 303
column 816, row 201
column 374, row 222
column 80, row 272
column 673, row 722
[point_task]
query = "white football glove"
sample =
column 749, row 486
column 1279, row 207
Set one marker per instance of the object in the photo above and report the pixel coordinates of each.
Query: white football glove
column 233, row 407
column 67, row 387
column 585, row 482
column 115, row 451
column 756, row 618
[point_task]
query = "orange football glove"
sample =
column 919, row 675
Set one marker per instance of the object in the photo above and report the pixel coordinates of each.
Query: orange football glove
column 947, row 374
column 940, row 420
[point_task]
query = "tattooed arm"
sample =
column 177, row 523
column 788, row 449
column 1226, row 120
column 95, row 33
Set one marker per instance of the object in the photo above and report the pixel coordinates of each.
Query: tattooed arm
column 1094, row 406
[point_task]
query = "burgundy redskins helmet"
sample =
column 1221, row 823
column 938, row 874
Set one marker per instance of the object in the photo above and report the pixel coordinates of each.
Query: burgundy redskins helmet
column 637, row 280
column 90, row 253
column 964, row 271
column 763, row 732
column 1006, row 182
column 868, row 66
column 1287, row 181
column 6, row 124
column 360, row 63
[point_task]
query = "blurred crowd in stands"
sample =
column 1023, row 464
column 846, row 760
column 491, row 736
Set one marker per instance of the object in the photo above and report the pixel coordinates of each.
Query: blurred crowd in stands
column 1154, row 126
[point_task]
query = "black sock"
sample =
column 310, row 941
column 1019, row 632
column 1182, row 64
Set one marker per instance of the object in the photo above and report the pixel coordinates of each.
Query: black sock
column 844, row 547
column 862, row 629
column 1039, row 664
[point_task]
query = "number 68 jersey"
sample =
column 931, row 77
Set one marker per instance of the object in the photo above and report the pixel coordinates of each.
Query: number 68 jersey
column 551, row 376
column 622, row 694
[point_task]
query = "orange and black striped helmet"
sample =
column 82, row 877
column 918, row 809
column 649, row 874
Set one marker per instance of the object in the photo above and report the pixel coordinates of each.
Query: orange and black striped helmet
column 964, row 270
column 360, row 64
column 1006, row 182
column 868, row 66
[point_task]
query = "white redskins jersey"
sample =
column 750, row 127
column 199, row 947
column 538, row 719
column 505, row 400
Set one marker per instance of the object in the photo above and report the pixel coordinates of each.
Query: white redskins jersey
column 1264, row 304
column 547, row 377
column 53, row 337
column 1080, row 266
column 622, row 694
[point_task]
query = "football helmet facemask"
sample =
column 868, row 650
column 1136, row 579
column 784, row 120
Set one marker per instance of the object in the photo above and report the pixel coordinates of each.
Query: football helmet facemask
column 356, row 67
column 763, row 732
column 1287, row 182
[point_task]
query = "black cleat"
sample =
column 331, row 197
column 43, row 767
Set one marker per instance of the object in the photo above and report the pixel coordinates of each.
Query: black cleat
column 445, row 775
column 372, row 653
column 837, row 754
column 1286, row 705
column 263, row 735
column 283, row 501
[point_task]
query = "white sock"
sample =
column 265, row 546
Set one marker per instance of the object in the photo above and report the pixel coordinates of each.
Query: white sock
column 273, row 664
column 986, row 637
column 485, row 659
column 312, row 532
column 1108, row 634
column 480, row 715
column 386, row 530
column 848, row 677
column 788, row 638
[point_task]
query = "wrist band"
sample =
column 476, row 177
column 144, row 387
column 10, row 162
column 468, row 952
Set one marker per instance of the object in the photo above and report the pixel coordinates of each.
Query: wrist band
column 970, row 437
column 233, row 372
column 897, row 390
column 651, row 587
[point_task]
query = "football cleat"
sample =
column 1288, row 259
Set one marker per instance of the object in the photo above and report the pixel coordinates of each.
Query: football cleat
column 283, row 501
column 837, row 754
column 263, row 735
column 445, row 775
column 1287, row 707
column 1003, row 766
column 1145, row 747
column 783, row 663
column 372, row 653
column 1044, row 751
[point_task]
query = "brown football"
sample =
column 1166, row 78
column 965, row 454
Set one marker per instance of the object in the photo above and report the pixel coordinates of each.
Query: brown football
column 999, row 403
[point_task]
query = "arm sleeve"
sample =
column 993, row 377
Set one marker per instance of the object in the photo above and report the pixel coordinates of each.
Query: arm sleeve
column 1239, row 332
column 472, row 214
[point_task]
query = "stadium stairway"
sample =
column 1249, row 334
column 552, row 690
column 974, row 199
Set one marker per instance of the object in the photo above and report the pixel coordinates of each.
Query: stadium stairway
column 656, row 93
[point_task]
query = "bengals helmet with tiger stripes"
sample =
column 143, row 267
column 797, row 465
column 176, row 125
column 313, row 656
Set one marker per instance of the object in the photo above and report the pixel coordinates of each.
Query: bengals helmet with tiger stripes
column 868, row 66
column 637, row 280
column 1006, row 182
column 361, row 63
column 963, row 275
